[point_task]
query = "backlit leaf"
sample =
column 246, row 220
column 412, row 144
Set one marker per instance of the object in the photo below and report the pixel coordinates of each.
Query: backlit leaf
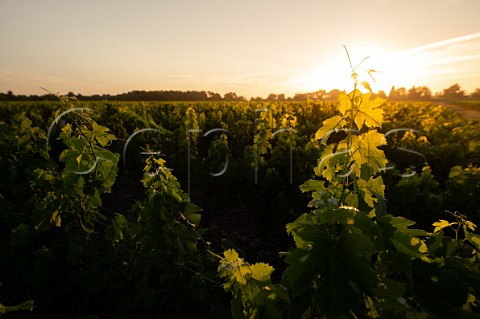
column 440, row 225
column 261, row 271
column 369, row 112
column 230, row 255
column 365, row 151
column 330, row 125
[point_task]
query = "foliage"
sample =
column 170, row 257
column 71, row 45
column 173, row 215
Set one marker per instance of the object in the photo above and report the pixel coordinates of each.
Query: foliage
column 420, row 191
column 352, row 258
column 80, row 239
column 462, row 189
column 253, row 293
column 28, row 305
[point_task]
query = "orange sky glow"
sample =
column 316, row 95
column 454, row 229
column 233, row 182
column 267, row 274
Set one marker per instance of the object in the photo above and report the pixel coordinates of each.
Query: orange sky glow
column 253, row 48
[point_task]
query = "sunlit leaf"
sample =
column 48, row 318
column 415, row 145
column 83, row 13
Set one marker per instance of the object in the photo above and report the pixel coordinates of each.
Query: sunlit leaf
column 261, row 271
column 367, row 86
column 330, row 125
column 440, row 225
column 230, row 255
column 369, row 112
column 365, row 150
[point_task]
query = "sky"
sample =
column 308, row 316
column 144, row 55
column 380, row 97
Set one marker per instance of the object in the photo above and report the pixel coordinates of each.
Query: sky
column 251, row 47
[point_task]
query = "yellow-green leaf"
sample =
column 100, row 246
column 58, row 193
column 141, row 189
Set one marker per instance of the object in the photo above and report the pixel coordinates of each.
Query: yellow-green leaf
column 369, row 112
column 471, row 225
column 261, row 271
column 372, row 187
column 367, row 85
column 344, row 103
column 240, row 274
column 230, row 255
column 330, row 125
column 365, row 150
column 474, row 239
column 56, row 219
column 440, row 225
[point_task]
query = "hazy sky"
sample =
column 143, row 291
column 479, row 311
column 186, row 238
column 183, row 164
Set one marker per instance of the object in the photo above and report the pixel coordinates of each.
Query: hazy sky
column 251, row 47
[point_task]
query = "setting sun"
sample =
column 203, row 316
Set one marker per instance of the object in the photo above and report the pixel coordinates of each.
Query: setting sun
column 253, row 48
column 286, row 159
column 435, row 64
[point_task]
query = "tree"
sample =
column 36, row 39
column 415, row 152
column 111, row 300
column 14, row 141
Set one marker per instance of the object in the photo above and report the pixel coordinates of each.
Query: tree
column 419, row 93
column 332, row 95
column 214, row 96
column 381, row 94
column 272, row 97
column 453, row 92
column 397, row 94
column 300, row 97
column 476, row 94
column 232, row 96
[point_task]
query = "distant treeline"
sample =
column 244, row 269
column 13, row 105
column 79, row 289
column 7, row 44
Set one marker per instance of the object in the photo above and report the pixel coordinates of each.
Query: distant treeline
column 132, row 96
column 398, row 94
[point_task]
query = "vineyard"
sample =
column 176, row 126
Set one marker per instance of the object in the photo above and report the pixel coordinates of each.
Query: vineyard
column 362, row 208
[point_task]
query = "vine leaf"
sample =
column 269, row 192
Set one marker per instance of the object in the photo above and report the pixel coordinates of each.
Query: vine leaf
column 365, row 151
column 369, row 112
column 344, row 102
column 372, row 187
column 440, row 225
column 261, row 271
column 330, row 125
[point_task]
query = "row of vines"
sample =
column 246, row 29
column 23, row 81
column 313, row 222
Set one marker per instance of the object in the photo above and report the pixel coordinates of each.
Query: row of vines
column 100, row 209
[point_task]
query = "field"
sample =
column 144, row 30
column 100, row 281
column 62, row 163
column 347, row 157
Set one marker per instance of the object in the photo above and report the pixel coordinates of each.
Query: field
column 470, row 104
column 143, row 209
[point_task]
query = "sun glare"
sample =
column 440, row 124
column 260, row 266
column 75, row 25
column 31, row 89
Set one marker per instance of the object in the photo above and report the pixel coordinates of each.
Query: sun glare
column 399, row 70
column 335, row 72
column 382, row 68
column 435, row 65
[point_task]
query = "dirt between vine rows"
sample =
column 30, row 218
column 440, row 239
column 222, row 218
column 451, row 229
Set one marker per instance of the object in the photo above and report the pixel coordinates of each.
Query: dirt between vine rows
column 466, row 113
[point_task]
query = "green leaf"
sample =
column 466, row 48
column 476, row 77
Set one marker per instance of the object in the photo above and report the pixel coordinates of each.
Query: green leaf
column 343, row 215
column 312, row 185
column 475, row 240
column 261, row 271
column 401, row 224
column 407, row 249
column 56, row 219
column 440, row 225
column 240, row 272
column 107, row 168
column 303, row 231
column 230, row 255
column 191, row 214
column 100, row 133
column 330, row 125
column 28, row 305
column 370, row 188
column 365, row 150
column 119, row 223
column 332, row 162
